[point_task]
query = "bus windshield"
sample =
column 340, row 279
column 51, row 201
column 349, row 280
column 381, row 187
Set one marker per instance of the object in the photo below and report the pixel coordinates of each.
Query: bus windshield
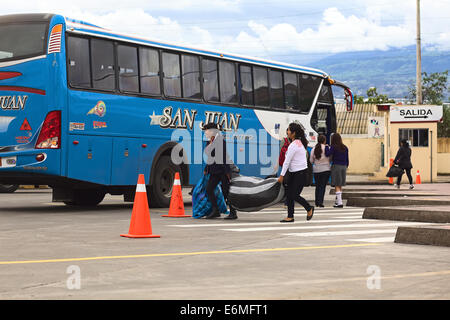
column 22, row 40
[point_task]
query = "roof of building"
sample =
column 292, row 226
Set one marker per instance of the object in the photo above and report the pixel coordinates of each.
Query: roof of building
column 355, row 121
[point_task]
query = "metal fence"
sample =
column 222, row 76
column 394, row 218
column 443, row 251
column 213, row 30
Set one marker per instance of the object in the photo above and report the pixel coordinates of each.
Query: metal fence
column 443, row 145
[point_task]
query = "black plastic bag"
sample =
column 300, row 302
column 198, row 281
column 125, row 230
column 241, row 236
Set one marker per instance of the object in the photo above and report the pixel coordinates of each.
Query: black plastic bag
column 394, row 171
column 254, row 194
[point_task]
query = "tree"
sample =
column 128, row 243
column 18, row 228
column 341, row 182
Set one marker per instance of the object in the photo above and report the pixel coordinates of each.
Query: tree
column 359, row 99
column 444, row 126
column 376, row 98
column 434, row 87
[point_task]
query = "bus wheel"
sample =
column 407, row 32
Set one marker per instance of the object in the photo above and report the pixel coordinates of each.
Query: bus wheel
column 8, row 188
column 161, row 187
column 86, row 197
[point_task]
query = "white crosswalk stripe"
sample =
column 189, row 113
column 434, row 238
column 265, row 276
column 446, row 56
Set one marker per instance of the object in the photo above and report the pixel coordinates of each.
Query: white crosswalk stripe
column 381, row 239
column 253, row 224
column 329, row 226
column 339, row 233
column 325, row 221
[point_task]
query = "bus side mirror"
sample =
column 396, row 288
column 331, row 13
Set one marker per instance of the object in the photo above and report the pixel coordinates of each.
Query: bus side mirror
column 348, row 99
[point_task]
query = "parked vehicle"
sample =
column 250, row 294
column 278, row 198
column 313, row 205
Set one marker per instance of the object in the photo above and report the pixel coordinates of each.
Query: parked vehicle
column 84, row 109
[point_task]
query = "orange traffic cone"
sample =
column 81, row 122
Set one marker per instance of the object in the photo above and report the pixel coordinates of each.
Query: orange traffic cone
column 176, row 209
column 391, row 163
column 140, row 225
column 418, row 178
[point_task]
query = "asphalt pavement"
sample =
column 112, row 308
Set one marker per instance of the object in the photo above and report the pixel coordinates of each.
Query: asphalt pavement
column 51, row 251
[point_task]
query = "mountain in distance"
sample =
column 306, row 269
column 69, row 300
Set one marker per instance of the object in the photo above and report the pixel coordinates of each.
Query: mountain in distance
column 391, row 71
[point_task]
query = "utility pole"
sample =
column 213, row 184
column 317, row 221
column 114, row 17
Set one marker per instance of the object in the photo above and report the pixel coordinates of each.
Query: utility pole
column 418, row 60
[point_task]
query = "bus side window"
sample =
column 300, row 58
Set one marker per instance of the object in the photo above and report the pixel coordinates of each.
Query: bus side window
column 261, row 87
column 276, row 89
column 308, row 89
column 291, row 91
column 210, row 80
column 245, row 73
column 171, row 74
column 128, row 68
column 102, row 57
column 227, row 78
column 78, row 52
column 190, row 67
column 149, row 71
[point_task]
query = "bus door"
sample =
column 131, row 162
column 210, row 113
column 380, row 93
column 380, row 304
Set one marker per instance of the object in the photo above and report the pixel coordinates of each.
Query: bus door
column 325, row 116
column 323, row 119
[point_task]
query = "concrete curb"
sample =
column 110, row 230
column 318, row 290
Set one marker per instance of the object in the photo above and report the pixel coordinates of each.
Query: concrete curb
column 433, row 235
column 367, row 202
column 403, row 214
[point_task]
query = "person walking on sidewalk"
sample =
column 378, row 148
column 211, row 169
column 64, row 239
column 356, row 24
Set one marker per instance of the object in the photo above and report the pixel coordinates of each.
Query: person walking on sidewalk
column 297, row 163
column 403, row 159
column 218, row 168
column 338, row 152
column 321, row 169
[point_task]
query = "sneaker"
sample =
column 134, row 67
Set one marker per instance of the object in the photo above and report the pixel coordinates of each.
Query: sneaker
column 338, row 206
column 397, row 186
column 411, row 187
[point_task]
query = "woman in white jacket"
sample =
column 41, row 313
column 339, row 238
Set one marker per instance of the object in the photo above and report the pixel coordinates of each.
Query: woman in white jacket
column 297, row 164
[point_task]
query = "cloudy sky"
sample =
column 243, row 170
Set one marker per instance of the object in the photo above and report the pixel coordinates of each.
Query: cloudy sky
column 272, row 29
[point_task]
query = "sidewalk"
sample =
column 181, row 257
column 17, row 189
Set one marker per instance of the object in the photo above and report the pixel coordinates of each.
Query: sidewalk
column 429, row 202
column 364, row 179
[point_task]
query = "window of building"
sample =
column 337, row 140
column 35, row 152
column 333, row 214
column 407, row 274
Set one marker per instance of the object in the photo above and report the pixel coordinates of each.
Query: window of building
column 102, row 58
column 261, row 87
column 79, row 65
column 415, row 137
column 171, row 74
column 276, row 89
column 210, row 80
column 308, row 89
column 245, row 73
column 128, row 68
column 227, row 76
column 149, row 71
column 191, row 76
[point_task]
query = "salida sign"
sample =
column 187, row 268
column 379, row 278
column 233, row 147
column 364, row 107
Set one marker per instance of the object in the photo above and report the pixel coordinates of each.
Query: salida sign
column 415, row 113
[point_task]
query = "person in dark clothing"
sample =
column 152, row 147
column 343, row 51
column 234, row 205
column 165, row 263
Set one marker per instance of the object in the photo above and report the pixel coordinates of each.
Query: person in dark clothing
column 403, row 159
column 338, row 152
column 219, row 169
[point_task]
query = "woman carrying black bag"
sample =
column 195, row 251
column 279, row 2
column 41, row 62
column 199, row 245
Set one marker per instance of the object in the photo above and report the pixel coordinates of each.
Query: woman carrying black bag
column 403, row 160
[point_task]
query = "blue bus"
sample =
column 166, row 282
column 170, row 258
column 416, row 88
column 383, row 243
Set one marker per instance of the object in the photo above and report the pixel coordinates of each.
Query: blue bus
column 85, row 109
